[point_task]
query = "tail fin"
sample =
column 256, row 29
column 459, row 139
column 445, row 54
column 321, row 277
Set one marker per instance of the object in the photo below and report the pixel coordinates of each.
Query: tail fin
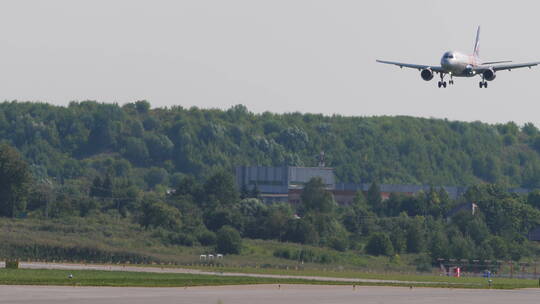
column 476, row 52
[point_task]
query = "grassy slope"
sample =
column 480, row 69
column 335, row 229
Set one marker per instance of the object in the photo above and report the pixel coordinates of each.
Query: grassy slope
column 121, row 235
column 115, row 236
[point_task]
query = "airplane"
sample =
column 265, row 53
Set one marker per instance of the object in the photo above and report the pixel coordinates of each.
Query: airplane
column 457, row 64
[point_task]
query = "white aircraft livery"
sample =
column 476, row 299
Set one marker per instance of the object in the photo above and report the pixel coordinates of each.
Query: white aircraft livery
column 456, row 64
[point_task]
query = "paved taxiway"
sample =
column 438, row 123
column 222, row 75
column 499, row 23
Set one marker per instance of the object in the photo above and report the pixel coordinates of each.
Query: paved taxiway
column 262, row 294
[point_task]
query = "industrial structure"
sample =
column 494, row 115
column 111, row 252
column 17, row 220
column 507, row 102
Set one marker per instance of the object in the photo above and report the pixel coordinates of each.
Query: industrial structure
column 285, row 184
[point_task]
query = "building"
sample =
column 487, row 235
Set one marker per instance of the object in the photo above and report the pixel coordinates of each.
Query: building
column 276, row 183
column 534, row 235
column 285, row 184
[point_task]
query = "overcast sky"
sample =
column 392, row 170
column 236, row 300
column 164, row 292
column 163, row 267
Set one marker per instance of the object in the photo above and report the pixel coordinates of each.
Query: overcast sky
column 275, row 55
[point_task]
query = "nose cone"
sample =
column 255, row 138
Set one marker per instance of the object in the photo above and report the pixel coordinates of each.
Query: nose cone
column 446, row 64
column 446, row 60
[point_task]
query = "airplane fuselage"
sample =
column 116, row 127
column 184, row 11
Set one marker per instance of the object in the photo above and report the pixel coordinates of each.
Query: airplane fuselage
column 458, row 64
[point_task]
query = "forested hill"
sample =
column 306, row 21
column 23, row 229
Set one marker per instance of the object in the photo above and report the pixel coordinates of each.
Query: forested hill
column 158, row 146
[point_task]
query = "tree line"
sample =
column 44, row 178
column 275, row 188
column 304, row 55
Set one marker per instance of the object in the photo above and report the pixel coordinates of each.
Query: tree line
column 169, row 170
column 155, row 148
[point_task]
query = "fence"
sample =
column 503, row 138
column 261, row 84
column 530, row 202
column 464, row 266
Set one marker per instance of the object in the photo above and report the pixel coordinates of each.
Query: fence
column 498, row 268
column 469, row 268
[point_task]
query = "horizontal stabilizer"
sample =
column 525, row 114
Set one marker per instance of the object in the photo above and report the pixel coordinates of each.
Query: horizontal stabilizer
column 496, row 62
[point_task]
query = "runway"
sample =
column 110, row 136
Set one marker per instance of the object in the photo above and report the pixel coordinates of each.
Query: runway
column 262, row 294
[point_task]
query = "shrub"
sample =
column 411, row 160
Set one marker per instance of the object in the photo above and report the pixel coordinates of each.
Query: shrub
column 154, row 213
column 339, row 243
column 182, row 239
column 207, row 238
column 12, row 264
column 282, row 253
column 228, row 240
column 423, row 263
column 379, row 244
column 305, row 255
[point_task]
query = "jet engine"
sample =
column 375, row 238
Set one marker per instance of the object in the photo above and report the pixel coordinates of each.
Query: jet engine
column 489, row 75
column 427, row 74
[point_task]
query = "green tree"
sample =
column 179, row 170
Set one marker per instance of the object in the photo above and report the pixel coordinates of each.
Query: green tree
column 223, row 216
column 439, row 246
column 189, row 187
column 499, row 247
column 156, row 176
column 15, row 180
column 374, row 197
column 530, row 129
column 142, row 106
column 159, row 146
column 228, row 240
column 135, row 150
column 472, row 226
column 275, row 223
column 96, row 190
column 220, row 189
column 126, row 196
column 316, row 198
column 533, row 199
column 301, row 231
column 107, row 186
column 379, row 244
column 462, row 248
column 154, row 213
column 254, row 212
column 415, row 237
column 358, row 215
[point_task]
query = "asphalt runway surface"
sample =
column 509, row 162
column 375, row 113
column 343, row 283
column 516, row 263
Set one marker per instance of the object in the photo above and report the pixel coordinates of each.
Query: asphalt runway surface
column 262, row 294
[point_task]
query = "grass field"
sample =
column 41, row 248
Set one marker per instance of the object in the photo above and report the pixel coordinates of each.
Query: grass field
column 439, row 281
column 145, row 279
column 123, row 278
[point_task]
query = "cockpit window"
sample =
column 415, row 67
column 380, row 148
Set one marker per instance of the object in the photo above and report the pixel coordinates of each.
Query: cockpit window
column 449, row 56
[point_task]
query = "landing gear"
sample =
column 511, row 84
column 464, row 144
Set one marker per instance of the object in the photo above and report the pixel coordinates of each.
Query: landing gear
column 442, row 83
column 483, row 83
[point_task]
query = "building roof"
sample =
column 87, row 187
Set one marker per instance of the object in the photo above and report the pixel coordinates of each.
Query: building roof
column 284, row 178
column 534, row 235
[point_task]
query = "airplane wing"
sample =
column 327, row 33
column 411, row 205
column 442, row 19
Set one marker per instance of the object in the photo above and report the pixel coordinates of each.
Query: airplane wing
column 413, row 66
column 501, row 67
column 496, row 62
